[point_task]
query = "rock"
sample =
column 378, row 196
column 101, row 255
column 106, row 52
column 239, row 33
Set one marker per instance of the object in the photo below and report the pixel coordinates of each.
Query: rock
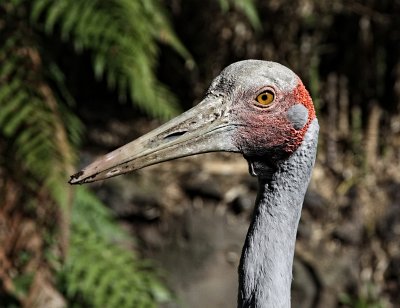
column 242, row 203
column 131, row 197
column 315, row 204
column 203, row 186
column 305, row 288
column 349, row 233
column 392, row 275
column 389, row 225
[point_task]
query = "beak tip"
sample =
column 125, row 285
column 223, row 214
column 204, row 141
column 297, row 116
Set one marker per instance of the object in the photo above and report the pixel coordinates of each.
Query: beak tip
column 82, row 177
column 76, row 178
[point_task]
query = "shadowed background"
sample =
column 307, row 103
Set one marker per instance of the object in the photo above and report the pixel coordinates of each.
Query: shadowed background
column 80, row 78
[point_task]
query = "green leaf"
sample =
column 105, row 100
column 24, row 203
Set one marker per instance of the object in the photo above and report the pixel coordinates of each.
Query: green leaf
column 8, row 67
column 99, row 65
column 122, row 39
column 250, row 11
column 17, row 119
column 38, row 6
column 14, row 104
column 5, row 93
column 55, row 11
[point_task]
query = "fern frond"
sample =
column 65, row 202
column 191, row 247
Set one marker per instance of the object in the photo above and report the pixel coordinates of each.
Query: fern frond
column 40, row 134
column 99, row 270
column 25, row 115
column 122, row 38
column 33, row 131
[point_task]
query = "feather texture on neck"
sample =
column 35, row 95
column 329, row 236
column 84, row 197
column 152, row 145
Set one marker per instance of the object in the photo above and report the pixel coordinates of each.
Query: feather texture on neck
column 265, row 271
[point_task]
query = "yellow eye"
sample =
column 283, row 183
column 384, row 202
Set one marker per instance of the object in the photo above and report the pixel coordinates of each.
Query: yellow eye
column 265, row 98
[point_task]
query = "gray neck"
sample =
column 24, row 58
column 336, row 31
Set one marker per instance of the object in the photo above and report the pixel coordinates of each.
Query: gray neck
column 265, row 272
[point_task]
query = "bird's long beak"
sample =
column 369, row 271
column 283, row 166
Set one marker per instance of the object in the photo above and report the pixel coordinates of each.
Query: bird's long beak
column 204, row 128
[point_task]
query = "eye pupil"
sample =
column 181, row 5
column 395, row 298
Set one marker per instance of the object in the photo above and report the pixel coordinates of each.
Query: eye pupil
column 265, row 98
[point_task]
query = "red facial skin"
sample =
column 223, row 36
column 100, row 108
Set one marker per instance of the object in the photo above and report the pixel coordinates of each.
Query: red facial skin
column 301, row 95
column 267, row 128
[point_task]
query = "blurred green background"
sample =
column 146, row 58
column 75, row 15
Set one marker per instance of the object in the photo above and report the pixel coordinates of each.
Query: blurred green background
column 81, row 77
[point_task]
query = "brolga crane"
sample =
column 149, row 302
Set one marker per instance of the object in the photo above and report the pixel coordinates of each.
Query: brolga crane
column 262, row 110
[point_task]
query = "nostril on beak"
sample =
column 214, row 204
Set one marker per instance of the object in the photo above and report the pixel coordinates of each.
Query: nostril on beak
column 175, row 135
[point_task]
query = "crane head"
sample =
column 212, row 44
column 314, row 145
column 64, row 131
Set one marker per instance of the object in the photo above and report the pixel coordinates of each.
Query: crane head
column 258, row 108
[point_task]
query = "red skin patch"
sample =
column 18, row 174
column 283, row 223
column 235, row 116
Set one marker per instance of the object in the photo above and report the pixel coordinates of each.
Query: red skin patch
column 270, row 129
column 302, row 96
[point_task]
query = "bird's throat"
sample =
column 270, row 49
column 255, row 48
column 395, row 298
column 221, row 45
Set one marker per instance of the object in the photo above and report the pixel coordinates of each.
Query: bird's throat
column 265, row 272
